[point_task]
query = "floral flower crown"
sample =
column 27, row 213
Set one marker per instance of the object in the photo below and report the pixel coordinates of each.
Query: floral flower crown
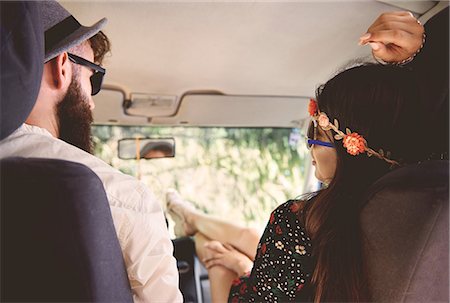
column 352, row 141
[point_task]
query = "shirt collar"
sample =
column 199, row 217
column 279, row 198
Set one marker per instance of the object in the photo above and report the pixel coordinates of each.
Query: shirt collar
column 33, row 129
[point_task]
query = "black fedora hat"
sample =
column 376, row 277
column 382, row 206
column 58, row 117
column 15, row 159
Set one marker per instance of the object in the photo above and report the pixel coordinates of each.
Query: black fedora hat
column 62, row 30
column 21, row 62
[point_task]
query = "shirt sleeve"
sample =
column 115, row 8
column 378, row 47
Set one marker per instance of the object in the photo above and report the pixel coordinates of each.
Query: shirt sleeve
column 148, row 255
column 283, row 265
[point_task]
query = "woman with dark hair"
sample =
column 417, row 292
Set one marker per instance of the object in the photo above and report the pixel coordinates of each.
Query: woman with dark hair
column 364, row 123
column 368, row 113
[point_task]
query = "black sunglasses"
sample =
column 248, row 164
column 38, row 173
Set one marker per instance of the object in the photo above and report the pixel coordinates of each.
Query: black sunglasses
column 97, row 76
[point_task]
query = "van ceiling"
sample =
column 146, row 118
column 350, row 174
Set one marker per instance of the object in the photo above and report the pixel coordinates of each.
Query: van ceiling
column 239, row 48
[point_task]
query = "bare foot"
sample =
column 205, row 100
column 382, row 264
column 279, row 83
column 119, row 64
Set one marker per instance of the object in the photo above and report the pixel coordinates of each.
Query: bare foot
column 181, row 212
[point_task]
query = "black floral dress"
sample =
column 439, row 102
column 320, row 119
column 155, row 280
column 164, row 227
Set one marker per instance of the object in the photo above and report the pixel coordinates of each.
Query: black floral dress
column 283, row 265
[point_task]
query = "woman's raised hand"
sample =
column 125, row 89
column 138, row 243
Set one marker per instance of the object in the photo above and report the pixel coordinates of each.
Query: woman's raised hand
column 225, row 255
column 394, row 37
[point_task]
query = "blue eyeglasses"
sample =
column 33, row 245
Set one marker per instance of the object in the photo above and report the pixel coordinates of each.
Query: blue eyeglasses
column 97, row 76
column 312, row 135
column 311, row 142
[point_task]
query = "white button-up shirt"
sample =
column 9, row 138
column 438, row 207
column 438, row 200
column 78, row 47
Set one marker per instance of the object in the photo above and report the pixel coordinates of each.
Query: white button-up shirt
column 137, row 216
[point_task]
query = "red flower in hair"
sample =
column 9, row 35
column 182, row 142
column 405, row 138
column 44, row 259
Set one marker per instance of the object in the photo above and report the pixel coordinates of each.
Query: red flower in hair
column 235, row 300
column 323, row 120
column 272, row 218
column 236, row 281
column 354, row 143
column 312, row 107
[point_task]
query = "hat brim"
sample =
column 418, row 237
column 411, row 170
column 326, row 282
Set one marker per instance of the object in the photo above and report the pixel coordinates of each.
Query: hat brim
column 77, row 37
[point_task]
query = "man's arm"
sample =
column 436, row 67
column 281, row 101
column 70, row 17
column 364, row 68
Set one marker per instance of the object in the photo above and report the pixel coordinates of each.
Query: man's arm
column 148, row 254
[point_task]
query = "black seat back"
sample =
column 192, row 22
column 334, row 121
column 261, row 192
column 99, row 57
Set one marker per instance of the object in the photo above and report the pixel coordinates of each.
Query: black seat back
column 190, row 271
column 58, row 242
column 405, row 226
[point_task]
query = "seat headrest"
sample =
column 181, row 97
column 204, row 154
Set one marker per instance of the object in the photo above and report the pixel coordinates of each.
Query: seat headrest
column 423, row 175
column 22, row 62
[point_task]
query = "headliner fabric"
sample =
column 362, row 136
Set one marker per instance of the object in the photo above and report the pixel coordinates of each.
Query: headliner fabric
column 405, row 231
column 21, row 61
column 58, row 241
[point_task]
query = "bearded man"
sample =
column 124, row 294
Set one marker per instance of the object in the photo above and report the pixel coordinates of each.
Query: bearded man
column 58, row 127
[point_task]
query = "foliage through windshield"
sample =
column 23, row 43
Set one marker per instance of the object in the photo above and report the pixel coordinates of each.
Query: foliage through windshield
column 239, row 174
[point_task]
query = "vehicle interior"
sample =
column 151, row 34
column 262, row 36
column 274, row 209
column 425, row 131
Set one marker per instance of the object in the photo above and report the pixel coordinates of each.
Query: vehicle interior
column 229, row 83
column 210, row 98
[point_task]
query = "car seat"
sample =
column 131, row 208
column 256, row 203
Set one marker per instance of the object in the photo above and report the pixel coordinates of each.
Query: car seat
column 405, row 229
column 58, row 241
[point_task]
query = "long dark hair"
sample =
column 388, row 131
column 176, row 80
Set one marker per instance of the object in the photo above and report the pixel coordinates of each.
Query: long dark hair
column 380, row 103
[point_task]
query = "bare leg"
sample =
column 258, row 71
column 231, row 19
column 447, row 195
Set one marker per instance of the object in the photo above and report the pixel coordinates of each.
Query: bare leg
column 200, row 241
column 244, row 239
column 213, row 253
column 220, row 278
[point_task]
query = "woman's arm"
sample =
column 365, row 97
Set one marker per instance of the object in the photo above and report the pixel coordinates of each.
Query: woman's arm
column 397, row 36
column 226, row 255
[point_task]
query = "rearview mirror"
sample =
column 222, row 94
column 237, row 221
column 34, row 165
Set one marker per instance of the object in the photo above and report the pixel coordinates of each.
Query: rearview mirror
column 146, row 148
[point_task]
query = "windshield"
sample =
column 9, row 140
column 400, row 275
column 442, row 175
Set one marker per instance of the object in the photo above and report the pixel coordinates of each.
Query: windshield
column 239, row 174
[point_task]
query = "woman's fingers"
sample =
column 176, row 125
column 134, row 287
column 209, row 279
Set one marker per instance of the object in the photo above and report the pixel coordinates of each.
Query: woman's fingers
column 388, row 53
column 408, row 27
column 217, row 253
column 212, row 254
column 229, row 247
column 229, row 257
column 394, row 36
column 406, row 24
column 401, row 35
column 405, row 41
column 215, row 246
column 214, row 262
column 386, row 18
column 210, row 263
column 212, row 257
column 389, row 16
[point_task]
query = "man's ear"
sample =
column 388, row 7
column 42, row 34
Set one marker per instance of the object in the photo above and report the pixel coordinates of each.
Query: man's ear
column 61, row 71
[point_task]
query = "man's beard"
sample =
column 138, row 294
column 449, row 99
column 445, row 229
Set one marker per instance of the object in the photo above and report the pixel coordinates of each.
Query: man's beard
column 75, row 118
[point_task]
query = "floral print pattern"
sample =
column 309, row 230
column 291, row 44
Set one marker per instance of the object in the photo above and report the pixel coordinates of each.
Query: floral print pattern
column 283, row 265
